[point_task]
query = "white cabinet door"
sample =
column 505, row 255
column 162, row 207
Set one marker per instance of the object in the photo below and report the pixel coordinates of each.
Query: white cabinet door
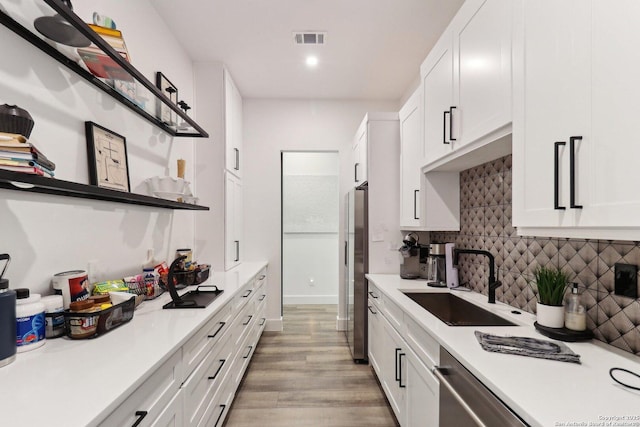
column 232, row 126
column 375, row 337
column 233, row 221
column 393, row 368
column 437, row 95
column 360, row 158
column 482, row 69
column 172, row 415
column 551, row 104
column 423, row 393
column 411, row 156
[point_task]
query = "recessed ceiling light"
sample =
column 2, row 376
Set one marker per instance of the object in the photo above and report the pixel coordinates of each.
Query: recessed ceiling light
column 312, row 61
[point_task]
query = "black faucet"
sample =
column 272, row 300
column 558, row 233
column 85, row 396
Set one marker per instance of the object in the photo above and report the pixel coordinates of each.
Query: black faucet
column 493, row 283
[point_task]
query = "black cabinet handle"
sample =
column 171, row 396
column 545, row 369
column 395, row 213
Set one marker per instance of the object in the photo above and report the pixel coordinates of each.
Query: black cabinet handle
column 237, row 242
column 262, row 276
column 218, row 330
column 237, row 166
column 397, row 374
column 400, row 369
column 222, row 361
column 140, row 415
column 415, row 204
column 444, row 127
column 262, row 297
column 572, row 172
column 248, row 293
column 248, row 320
column 220, row 416
column 371, row 310
column 346, row 255
column 355, row 172
column 248, row 352
column 373, row 295
column 451, row 138
column 556, row 175
column 264, row 320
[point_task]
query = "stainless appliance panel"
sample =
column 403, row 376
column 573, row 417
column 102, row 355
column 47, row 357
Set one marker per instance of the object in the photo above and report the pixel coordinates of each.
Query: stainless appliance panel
column 465, row 401
column 357, row 266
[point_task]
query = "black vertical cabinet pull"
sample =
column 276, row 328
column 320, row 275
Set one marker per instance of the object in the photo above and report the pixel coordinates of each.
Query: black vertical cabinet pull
column 355, row 172
column 572, row 172
column 397, row 374
column 140, row 415
column 451, row 138
column 220, row 416
column 237, row 242
column 415, row 204
column 346, row 255
column 400, row 369
column 237, row 166
column 444, row 127
column 556, row 175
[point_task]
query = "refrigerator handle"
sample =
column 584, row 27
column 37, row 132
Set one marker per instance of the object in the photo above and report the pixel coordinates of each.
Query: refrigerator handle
column 346, row 255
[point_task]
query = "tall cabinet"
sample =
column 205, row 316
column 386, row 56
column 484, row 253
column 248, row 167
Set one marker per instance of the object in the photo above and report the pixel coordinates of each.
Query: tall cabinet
column 218, row 167
column 574, row 157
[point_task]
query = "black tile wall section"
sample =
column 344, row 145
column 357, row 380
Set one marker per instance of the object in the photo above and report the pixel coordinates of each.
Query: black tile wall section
column 485, row 223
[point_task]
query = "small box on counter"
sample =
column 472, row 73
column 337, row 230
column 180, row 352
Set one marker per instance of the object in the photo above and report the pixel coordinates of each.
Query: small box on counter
column 88, row 320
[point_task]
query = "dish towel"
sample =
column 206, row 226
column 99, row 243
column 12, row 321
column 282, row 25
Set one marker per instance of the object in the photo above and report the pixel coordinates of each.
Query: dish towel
column 525, row 346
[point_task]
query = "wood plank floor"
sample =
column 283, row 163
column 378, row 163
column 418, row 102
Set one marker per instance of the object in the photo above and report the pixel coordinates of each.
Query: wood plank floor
column 305, row 376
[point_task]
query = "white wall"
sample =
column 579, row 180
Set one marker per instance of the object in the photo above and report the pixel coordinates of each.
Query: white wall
column 273, row 126
column 46, row 234
column 310, row 227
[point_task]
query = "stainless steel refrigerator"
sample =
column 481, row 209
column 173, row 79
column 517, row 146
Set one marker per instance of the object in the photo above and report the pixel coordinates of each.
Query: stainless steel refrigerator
column 356, row 266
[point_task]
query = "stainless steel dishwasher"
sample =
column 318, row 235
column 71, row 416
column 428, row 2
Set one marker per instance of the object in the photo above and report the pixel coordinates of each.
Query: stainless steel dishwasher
column 465, row 401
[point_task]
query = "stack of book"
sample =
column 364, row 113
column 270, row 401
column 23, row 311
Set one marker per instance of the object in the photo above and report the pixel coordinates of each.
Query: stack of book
column 19, row 155
column 98, row 62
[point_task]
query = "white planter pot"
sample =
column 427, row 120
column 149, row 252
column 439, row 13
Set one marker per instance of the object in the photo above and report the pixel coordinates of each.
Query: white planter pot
column 551, row 316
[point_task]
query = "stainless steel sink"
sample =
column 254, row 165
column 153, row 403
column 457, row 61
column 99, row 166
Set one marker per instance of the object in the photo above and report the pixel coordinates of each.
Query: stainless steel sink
column 455, row 311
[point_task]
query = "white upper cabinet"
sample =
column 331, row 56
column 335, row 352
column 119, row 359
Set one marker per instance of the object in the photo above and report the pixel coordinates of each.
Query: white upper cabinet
column 233, row 221
column 360, row 155
column 232, row 126
column 466, row 80
column 574, row 158
column 411, row 154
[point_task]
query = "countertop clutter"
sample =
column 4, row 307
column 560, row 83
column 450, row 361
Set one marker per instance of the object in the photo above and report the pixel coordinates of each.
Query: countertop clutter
column 80, row 382
column 542, row 392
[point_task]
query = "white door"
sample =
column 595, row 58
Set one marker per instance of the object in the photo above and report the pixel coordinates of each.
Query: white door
column 422, row 393
column 551, row 104
column 437, row 86
column 482, row 69
column 411, row 154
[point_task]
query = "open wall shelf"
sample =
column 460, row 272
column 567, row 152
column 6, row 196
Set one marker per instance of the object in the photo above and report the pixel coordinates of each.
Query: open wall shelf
column 38, row 184
column 148, row 99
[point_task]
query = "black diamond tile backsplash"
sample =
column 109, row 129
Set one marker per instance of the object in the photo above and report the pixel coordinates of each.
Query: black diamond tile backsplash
column 485, row 223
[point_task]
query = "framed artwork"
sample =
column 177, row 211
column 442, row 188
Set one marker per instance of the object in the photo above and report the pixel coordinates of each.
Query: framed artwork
column 107, row 155
column 166, row 114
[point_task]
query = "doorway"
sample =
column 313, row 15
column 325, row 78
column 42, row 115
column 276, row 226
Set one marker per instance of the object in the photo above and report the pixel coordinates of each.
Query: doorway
column 310, row 218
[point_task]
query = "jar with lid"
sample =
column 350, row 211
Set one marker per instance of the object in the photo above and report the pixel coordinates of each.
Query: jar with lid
column 53, row 315
column 7, row 323
column 30, row 321
column 81, row 324
column 575, row 315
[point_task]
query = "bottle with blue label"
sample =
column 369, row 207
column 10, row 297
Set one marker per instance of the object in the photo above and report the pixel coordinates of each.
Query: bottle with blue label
column 30, row 321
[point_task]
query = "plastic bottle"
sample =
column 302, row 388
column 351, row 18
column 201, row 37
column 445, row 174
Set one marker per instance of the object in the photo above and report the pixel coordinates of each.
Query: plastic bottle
column 7, row 323
column 54, row 315
column 30, row 321
column 575, row 314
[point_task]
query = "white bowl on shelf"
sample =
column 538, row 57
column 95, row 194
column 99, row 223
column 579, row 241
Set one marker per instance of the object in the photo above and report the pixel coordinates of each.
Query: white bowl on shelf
column 166, row 184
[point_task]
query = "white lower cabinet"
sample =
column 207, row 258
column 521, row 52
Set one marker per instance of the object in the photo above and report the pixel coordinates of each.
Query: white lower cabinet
column 404, row 372
column 196, row 385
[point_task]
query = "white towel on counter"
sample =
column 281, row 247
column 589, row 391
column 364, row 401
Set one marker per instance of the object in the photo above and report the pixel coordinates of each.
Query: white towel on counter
column 526, row 346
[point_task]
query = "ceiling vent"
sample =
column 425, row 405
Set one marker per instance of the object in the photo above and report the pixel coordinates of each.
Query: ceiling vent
column 309, row 37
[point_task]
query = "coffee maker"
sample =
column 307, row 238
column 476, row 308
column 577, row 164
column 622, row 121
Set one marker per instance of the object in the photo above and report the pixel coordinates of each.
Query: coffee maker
column 414, row 255
column 440, row 270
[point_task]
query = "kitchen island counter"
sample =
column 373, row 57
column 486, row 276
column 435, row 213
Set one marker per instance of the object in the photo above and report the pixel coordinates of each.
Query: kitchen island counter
column 542, row 392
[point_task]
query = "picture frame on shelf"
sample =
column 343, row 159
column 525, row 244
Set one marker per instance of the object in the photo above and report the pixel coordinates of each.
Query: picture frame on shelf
column 166, row 114
column 107, row 158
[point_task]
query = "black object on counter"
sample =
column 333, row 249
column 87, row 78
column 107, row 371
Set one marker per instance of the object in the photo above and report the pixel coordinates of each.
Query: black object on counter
column 7, row 318
column 563, row 334
column 14, row 119
column 201, row 297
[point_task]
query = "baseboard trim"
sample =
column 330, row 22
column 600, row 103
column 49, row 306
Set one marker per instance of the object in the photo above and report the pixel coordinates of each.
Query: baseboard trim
column 274, row 325
column 341, row 324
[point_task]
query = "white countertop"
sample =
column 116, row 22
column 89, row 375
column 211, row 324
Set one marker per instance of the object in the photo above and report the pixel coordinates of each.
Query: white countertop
column 70, row 383
column 542, row 392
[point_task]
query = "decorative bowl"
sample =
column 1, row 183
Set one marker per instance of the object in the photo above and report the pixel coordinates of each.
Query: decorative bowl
column 166, row 184
column 14, row 119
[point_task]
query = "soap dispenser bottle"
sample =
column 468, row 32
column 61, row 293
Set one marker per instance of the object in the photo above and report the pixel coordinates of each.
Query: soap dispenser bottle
column 575, row 315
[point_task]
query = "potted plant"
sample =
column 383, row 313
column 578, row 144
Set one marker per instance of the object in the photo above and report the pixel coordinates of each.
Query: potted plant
column 550, row 284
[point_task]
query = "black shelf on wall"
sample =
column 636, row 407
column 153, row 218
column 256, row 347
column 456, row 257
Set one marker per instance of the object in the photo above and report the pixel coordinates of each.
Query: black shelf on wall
column 38, row 184
column 190, row 127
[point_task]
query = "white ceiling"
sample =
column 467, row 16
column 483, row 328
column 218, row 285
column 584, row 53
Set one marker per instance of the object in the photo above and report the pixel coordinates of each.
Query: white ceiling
column 373, row 48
